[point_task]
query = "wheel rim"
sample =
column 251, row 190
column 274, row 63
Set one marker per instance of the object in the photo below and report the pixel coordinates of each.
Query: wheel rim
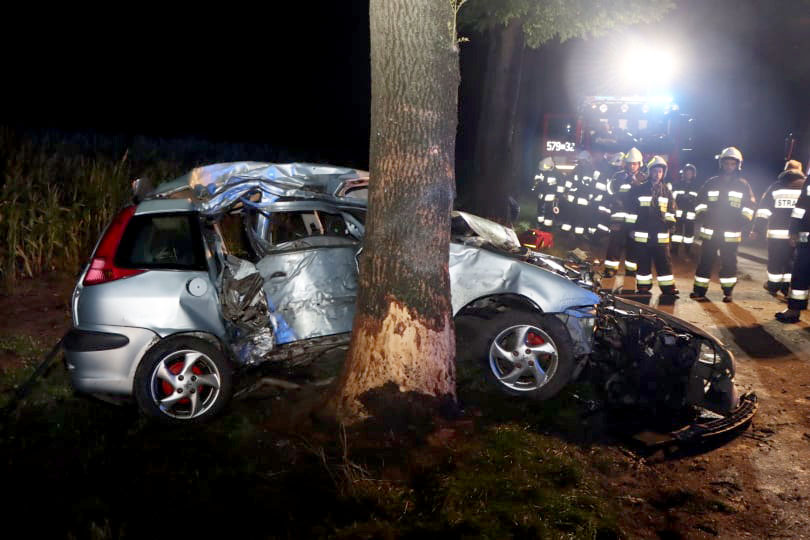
column 523, row 358
column 185, row 384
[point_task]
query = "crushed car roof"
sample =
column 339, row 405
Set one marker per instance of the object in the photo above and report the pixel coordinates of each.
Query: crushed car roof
column 217, row 187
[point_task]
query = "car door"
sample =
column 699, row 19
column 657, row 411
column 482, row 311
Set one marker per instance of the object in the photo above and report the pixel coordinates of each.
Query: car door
column 310, row 272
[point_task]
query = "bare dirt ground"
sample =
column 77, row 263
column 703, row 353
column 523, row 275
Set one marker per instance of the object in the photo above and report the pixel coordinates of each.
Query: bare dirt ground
column 38, row 308
column 756, row 485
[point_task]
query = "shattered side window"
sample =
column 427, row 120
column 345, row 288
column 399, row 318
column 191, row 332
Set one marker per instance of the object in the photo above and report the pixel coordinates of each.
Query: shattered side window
column 290, row 226
column 233, row 234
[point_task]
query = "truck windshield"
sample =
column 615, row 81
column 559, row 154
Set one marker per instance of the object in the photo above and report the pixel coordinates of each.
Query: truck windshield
column 617, row 131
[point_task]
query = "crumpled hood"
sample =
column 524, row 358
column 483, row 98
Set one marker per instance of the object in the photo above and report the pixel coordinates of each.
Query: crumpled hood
column 476, row 273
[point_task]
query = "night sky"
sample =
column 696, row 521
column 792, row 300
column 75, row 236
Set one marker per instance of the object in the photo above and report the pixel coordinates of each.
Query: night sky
column 298, row 76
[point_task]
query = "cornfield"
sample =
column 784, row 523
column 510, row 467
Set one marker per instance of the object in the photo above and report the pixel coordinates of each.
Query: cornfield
column 58, row 191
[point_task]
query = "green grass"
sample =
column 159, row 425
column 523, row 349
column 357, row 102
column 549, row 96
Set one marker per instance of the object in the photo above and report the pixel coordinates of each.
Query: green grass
column 109, row 473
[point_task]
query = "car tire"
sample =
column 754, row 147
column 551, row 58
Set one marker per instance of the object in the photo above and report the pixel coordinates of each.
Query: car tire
column 183, row 380
column 540, row 366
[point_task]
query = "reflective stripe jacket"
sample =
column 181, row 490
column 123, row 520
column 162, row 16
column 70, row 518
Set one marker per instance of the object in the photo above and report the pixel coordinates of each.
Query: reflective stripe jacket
column 800, row 215
column 545, row 183
column 777, row 204
column 650, row 208
column 685, row 195
column 726, row 204
column 618, row 187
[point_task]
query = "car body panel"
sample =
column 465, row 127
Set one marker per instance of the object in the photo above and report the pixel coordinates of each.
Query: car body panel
column 477, row 273
column 157, row 299
column 109, row 371
column 313, row 290
column 158, row 206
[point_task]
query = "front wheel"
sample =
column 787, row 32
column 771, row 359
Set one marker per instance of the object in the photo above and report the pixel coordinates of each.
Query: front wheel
column 529, row 354
column 183, row 380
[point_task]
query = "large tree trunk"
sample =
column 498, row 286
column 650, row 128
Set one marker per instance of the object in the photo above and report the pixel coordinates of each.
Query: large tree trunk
column 403, row 343
column 494, row 180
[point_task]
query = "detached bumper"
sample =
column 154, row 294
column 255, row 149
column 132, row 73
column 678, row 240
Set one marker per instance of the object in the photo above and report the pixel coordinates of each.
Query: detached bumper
column 736, row 419
column 704, row 430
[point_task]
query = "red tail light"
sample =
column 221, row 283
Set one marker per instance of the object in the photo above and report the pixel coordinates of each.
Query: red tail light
column 102, row 266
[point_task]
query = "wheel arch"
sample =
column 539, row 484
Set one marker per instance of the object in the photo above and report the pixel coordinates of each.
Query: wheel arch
column 488, row 306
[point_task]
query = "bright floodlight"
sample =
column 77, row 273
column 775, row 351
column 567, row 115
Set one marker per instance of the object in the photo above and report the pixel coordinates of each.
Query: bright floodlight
column 646, row 64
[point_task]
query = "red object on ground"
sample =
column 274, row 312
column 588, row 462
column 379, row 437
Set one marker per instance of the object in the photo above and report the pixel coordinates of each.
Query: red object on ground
column 536, row 239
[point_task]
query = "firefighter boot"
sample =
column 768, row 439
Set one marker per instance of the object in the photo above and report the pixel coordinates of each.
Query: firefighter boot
column 772, row 291
column 788, row 316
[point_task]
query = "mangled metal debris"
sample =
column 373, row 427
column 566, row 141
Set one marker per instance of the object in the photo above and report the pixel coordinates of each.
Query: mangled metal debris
column 250, row 325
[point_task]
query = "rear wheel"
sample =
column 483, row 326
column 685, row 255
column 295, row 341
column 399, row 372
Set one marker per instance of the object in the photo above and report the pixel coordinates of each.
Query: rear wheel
column 183, row 380
column 528, row 354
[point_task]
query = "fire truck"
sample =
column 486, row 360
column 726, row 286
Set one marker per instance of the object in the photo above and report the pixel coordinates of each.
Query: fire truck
column 606, row 125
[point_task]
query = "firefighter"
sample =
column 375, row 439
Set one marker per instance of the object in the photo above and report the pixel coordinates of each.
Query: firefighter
column 566, row 203
column 650, row 216
column 600, row 202
column 545, row 186
column 618, row 186
column 685, row 193
column 800, row 280
column 583, row 195
column 773, row 215
column 726, row 205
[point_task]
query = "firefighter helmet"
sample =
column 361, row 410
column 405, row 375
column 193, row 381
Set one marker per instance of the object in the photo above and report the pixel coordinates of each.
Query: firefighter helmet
column 658, row 161
column 689, row 166
column 730, row 153
column 633, row 156
column 546, row 164
column 793, row 165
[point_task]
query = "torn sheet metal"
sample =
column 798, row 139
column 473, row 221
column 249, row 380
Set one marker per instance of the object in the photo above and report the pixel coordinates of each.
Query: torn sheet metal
column 216, row 188
column 314, row 290
column 250, row 324
column 476, row 273
column 489, row 232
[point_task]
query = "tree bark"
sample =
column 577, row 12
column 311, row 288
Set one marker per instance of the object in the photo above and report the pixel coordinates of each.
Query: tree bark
column 403, row 336
column 493, row 181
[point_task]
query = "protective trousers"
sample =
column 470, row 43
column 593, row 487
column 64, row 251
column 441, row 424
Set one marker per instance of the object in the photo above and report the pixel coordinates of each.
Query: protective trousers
column 647, row 254
column 780, row 264
column 728, row 265
column 616, row 245
column 684, row 232
column 800, row 282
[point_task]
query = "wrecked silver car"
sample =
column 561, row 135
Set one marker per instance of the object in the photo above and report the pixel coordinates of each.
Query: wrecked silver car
column 240, row 264
column 243, row 264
